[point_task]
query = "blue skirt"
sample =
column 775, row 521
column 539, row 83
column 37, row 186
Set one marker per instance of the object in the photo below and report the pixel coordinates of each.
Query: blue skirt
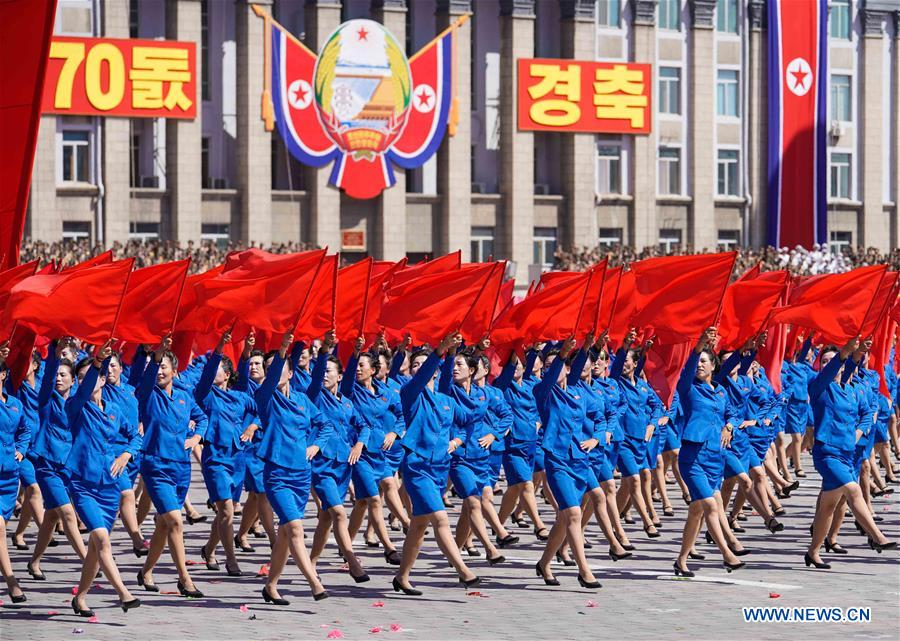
column 701, row 468
column 287, row 490
column 673, row 438
column 496, row 462
column 538, row 459
column 393, row 458
column 632, row 456
column 470, row 477
column 834, row 465
column 881, row 430
column 654, row 447
column 568, row 479
column 97, row 505
column 52, row 479
column 220, row 472
column 9, row 490
column 600, row 463
column 518, row 463
column 26, row 472
column 425, row 481
column 760, row 444
column 795, row 417
column 125, row 480
column 367, row 473
column 166, row 481
column 330, row 480
column 253, row 475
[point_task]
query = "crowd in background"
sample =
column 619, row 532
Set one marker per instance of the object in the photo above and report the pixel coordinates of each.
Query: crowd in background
column 207, row 254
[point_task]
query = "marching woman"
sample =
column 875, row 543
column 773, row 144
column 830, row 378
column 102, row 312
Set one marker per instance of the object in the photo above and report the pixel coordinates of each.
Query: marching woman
column 430, row 417
column 521, row 442
column 331, row 469
column 167, row 411
column 796, row 374
column 642, row 408
column 839, row 413
column 473, row 434
column 708, row 426
column 49, row 451
column 15, row 434
column 96, row 459
column 294, row 431
column 227, row 410
column 376, row 406
column 563, row 414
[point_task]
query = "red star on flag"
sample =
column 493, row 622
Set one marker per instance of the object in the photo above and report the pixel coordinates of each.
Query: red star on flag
column 363, row 34
column 799, row 78
column 423, row 97
column 299, row 94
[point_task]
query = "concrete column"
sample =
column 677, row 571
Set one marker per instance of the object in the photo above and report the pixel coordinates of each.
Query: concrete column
column 516, row 228
column 116, row 151
column 44, row 221
column 324, row 227
column 389, row 228
column 758, row 119
column 895, row 194
column 580, row 225
column 702, row 109
column 184, row 137
column 254, row 143
column 871, row 175
column 453, row 227
column 643, row 225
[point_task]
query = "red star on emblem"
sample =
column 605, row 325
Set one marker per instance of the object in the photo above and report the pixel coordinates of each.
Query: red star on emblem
column 423, row 97
column 363, row 34
column 299, row 94
column 799, row 78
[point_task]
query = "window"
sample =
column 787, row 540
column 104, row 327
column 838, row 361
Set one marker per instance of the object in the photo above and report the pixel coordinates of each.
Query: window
column 670, row 14
column 482, row 243
column 727, row 16
column 728, row 239
column 841, row 107
column 143, row 231
column 204, row 162
column 76, row 154
column 135, row 174
column 204, row 49
column 544, row 246
column 839, row 15
column 609, row 237
column 727, row 93
column 219, row 233
column 669, row 240
column 727, row 173
column 74, row 18
column 840, row 175
column 669, row 90
column 134, row 19
column 76, row 230
column 608, row 13
column 839, row 240
column 609, row 169
column 669, row 170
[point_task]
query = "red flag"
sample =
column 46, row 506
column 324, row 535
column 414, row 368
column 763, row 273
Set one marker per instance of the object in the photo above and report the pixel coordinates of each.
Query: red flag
column 151, row 302
column 25, row 30
column 100, row 259
column 191, row 315
column 836, row 305
column 663, row 367
column 318, row 312
column 447, row 263
column 505, row 299
column 9, row 279
column 382, row 278
column 751, row 273
column 430, row 307
column 622, row 307
column 882, row 341
column 589, row 313
column 880, row 304
column 771, row 355
column 352, row 300
column 261, row 289
column 680, row 296
column 82, row 303
column 746, row 307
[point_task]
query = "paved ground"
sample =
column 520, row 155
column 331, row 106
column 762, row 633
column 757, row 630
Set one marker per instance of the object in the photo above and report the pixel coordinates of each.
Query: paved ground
column 640, row 598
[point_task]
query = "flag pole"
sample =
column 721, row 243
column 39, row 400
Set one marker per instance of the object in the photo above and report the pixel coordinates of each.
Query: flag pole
column 365, row 309
column 724, row 289
column 180, row 293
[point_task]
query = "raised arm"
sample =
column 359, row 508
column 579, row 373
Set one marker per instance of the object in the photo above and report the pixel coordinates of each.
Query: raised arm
column 505, row 378
column 48, row 381
column 733, row 359
column 530, row 360
column 317, row 375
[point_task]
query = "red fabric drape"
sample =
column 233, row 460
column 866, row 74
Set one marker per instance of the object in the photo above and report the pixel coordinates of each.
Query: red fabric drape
column 151, row 302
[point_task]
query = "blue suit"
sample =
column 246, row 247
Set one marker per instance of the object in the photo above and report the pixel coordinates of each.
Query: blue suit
column 521, row 440
column 15, row 435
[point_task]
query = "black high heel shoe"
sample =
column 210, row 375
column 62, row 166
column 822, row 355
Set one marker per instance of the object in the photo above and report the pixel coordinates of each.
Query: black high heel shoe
column 628, row 547
column 618, row 557
column 79, row 611
column 496, row 560
column 372, row 544
column 743, row 552
column 859, row 528
column 139, row 552
column 392, row 557
column 812, row 562
column 679, row 571
column 321, row 595
column 773, row 526
column 651, row 535
column 398, row 587
column 244, row 547
column 507, row 541
column 233, row 571
column 539, row 534
column 731, row 567
column 520, row 521
column 696, row 556
column 210, row 565
column 471, row 550
column 37, row 576
column 590, row 585
column 539, row 571
column 779, row 512
column 268, row 598
column 149, row 587
column 362, row 578
column 200, row 518
column 709, row 538
column 668, row 511
column 16, row 544
column 878, row 547
column 130, row 605
column 737, row 529
column 566, row 562
column 834, row 547
column 470, row 583
column 18, row 598
column 193, row 594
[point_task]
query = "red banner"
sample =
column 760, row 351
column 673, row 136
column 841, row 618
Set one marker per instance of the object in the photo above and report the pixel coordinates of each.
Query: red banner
column 112, row 77
column 585, row 96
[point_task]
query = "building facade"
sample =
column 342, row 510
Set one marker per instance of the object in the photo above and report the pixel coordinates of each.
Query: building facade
column 697, row 180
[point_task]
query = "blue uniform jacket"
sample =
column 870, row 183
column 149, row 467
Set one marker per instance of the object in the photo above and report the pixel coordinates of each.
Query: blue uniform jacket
column 562, row 413
column 705, row 406
column 15, row 433
column 429, row 414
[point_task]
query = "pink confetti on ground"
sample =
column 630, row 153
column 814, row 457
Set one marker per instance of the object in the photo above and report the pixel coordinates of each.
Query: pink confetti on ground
column 378, row 604
column 591, row 604
column 478, row 594
column 51, row 613
column 94, row 619
column 74, row 590
column 374, row 630
column 774, row 595
column 168, row 592
column 323, row 625
column 191, row 562
column 396, row 627
column 263, row 570
column 335, row 634
column 244, row 608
